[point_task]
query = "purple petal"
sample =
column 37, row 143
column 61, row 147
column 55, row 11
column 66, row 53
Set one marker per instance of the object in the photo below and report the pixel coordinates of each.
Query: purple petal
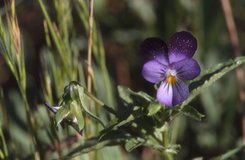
column 171, row 95
column 182, row 45
column 53, row 109
column 154, row 48
column 153, row 71
column 187, row 69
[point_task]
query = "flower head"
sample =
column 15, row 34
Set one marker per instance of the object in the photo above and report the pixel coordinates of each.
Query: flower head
column 171, row 65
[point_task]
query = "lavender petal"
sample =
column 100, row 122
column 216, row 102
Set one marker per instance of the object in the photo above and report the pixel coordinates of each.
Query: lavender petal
column 182, row 45
column 172, row 95
column 187, row 69
column 165, row 94
column 153, row 71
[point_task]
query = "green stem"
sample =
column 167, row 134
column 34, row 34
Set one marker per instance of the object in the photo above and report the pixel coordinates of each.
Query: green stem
column 30, row 120
column 5, row 150
column 102, row 61
column 166, row 156
column 107, row 108
column 58, row 42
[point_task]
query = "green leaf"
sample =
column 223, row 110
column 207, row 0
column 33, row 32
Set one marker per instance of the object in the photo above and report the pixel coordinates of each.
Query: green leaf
column 207, row 79
column 134, row 98
column 81, row 94
column 116, row 125
column 84, row 105
column 192, row 113
column 1, row 154
column 93, row 144
column 119, row 123
column 159, row 131
column 77, row 94
column 230, row 153
column 77, row 111
column 133, row 143
column 62, row 113
column 173, row 148
column 153, row 108
column 114, row 134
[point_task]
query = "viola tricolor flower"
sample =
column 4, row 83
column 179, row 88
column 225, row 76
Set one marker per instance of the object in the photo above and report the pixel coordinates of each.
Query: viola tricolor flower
column 170, row 65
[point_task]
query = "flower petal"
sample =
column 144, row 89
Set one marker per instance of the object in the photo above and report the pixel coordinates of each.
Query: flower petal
column 154, row 48
column 186, row 69
column 165, row 94
column 52, row 108
column 182, row 45
column 153, row 71
column 171, row 95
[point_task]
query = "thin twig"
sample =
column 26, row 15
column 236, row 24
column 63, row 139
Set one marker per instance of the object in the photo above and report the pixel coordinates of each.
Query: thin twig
column 90, row 41
column 226, row 6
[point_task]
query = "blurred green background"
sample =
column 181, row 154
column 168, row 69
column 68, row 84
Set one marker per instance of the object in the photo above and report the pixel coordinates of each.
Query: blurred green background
column 123, row 25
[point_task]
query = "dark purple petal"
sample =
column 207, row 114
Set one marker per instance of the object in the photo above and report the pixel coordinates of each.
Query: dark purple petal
column 186, row 69
column 172, row 95
column 154, row 48
column 153, row 71
column 53, row 109
column 182, row 45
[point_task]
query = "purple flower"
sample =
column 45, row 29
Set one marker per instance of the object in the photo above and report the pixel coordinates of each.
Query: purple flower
column 171, row 65
column 54, row 109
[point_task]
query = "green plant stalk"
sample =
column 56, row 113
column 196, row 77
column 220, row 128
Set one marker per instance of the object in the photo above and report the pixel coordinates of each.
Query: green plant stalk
column 166, row 156
column 65, row 25
column 98, row 146
column 48, row 98
column 48, row 94
column 52, row 66
column 98, row 50
column 5, row 150
column 20, row 78
column 17, row 69
column 107, row 108
column 105, row 72
column 30, row 121
column 66, row 63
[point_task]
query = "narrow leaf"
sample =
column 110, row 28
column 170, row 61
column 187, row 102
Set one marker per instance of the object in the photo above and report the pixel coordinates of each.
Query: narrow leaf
column 153, row 108
column 210, row 77
column 173, row 148
column 93, row 144
column 133, row 143
column 119, row 123
column 77, row 111
column 230, row 153
column 86, row 110
column 61, row 114
column 1, row 154
column 192, row 113
column 131, row 97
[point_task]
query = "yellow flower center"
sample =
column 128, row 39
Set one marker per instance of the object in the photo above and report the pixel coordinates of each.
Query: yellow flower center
column 171, row 79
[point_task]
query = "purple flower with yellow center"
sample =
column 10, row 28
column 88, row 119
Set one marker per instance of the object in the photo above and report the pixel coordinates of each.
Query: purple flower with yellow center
column 170, row 65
